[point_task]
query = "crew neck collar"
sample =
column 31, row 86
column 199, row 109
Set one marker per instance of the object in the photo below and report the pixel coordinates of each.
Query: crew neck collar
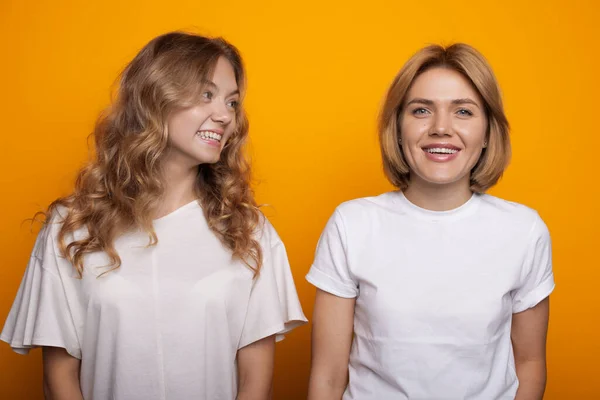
column 461, row 211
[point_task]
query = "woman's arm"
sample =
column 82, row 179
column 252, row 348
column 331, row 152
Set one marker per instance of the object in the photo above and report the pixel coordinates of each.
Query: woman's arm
column 529, row 330
column 255, row 369
column 61, row 375
column 333, row 324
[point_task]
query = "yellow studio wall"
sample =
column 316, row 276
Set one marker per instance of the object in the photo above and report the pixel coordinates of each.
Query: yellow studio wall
column 317, row 75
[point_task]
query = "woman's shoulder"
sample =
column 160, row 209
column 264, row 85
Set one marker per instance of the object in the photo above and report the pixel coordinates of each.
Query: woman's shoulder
column 361, row 204
column 266, row 233
column 511, row 212
column 364, row 209
column 47, row 236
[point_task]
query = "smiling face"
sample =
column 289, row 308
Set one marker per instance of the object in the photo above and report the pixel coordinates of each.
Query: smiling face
column 197, row 134
column 443, row 129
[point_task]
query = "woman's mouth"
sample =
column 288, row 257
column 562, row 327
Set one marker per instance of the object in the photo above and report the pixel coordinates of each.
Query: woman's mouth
column 441, row 153
column 210, row 137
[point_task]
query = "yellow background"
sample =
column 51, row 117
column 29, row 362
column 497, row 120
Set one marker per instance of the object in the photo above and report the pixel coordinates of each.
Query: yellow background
column 317, row 74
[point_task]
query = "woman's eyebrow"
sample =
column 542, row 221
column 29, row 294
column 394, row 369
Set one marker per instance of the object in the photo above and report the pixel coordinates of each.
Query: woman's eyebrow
column 466, row 100
column 213, row 86
column 419, row 100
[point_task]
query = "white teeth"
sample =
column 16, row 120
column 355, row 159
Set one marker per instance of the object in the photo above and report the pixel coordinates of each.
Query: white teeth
column 209, row 135
column 441, row 150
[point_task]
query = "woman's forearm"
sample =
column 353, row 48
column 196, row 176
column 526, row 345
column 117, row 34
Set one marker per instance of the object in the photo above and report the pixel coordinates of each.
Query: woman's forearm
column 250, row 393
column 255, row 370
column 532, row 380
column 325, row 389
column 250, row 389
column 62, row 389
column 61, row 375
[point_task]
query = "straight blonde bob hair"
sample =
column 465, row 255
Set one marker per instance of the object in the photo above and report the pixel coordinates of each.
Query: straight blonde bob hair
column 467, row 61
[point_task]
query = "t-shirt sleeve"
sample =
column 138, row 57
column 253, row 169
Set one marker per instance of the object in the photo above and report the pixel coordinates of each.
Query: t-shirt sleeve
column 274, row 307
column 40, row 314
column 330, row 271
column 537, row 278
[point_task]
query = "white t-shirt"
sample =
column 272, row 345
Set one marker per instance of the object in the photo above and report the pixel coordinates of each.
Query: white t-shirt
column 168, row 323
column 435, row 293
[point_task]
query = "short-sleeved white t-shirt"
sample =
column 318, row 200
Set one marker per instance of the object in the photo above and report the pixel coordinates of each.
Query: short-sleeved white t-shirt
column 435, row 293
column 168, row 323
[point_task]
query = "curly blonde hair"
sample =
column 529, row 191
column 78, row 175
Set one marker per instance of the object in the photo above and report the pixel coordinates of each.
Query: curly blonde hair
column 121, row 187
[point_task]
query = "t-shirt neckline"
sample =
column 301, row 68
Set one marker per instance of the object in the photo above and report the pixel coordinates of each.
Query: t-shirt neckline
column 192, row 204
column 461, row 211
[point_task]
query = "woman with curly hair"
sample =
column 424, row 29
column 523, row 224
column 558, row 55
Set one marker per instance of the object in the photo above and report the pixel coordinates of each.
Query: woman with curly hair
column 158, row 277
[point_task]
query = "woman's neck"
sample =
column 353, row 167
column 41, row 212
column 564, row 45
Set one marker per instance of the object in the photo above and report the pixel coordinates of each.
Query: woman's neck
column 179, row 188
column 437, row 197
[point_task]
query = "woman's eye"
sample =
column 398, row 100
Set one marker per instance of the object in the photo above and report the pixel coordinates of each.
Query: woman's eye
column 207, row 95
column 420, row 111
column 464, row 112
column 233, row 104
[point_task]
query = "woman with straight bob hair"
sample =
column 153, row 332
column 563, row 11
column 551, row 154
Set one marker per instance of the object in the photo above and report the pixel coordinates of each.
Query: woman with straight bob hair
column 158, row 277
column 436, row 290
